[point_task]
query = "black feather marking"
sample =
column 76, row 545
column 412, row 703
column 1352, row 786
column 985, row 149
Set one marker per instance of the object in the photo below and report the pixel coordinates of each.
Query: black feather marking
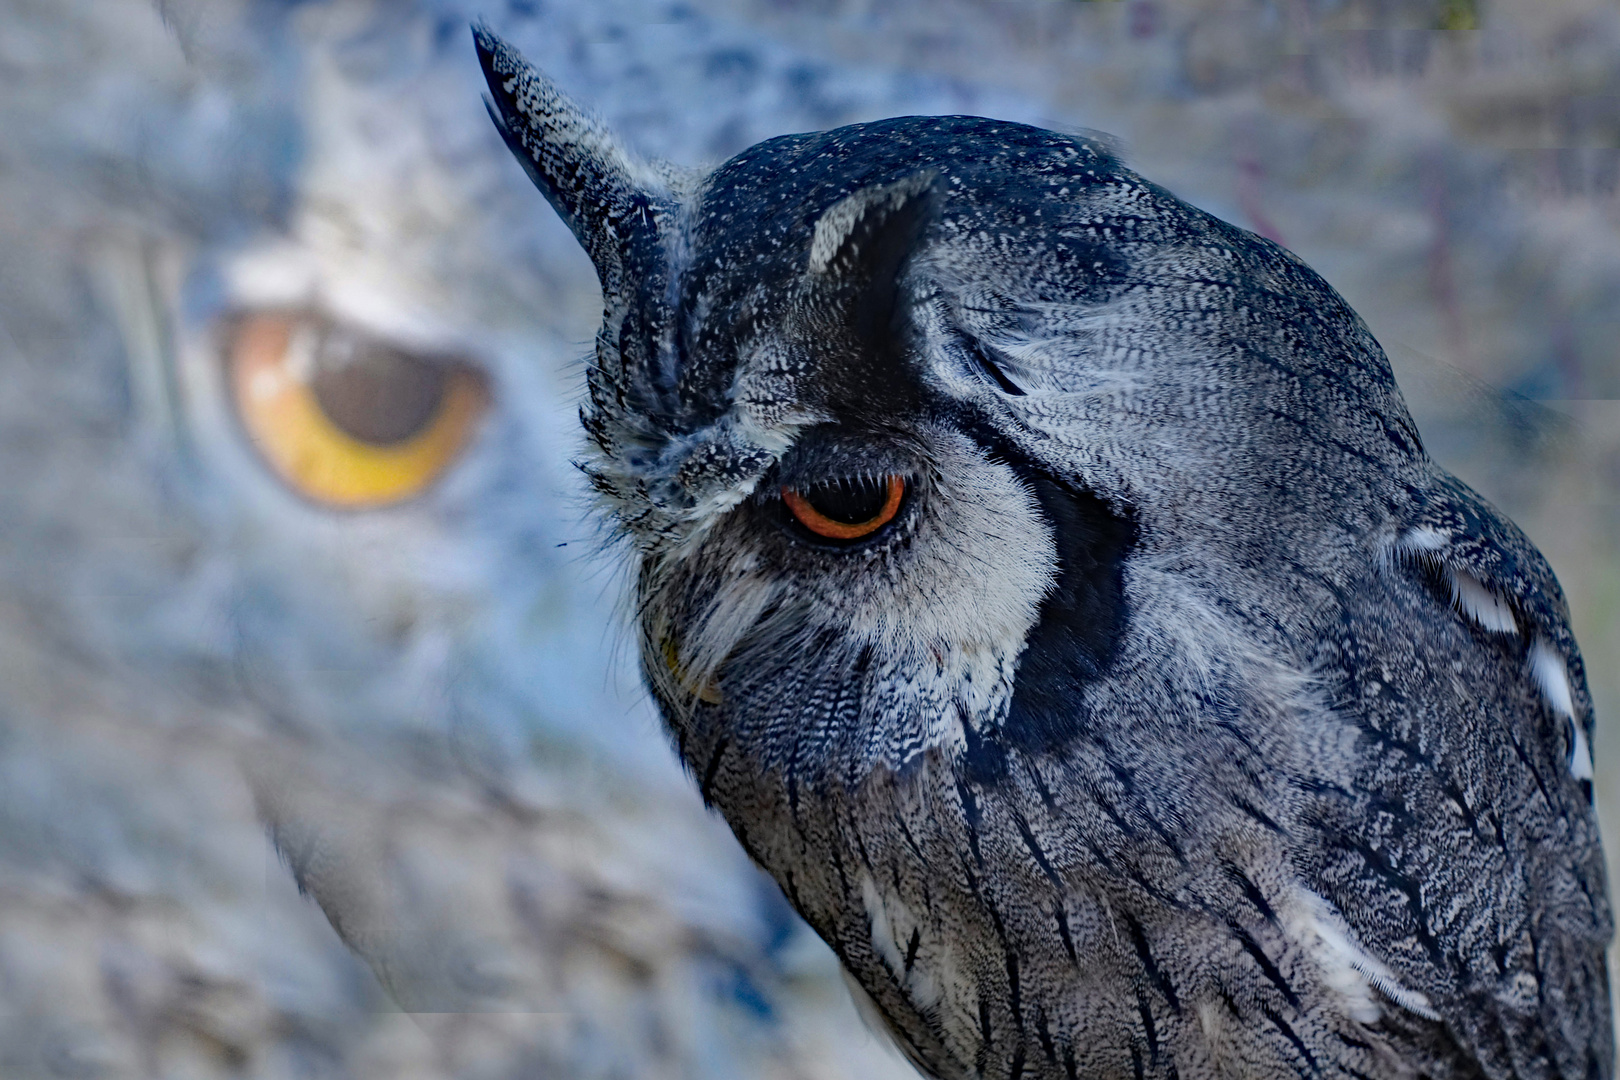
column 1043, row 1031
column 838, row 867
column 970, row 816
column 1150, row 966
column 863, row 661
column 860, row 846
column 1530, row 765
column 1041, row 787
column 1364, row 1047
column 1082, row 617
column 911, row 841
column 1062, row 917
column 991, row 910
column 911, row 948
column 1110, row 811
column 1252, row 893
column 1269, row 969
column 713, row 767
column 1148, row 1033
column 1035, row 849
column 1292, row 1036
column 1457, row 795
column 1256, row 813
column 1151, row 889
column 1411, row 890
column 981, row 356
column 1127, row 781
column 984, row 759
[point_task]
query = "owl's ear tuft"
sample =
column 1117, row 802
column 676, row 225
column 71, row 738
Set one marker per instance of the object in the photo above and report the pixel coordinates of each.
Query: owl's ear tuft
column 862, row 241
column 612, row 202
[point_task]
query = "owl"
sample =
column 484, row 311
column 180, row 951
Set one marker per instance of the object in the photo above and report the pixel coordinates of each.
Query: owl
column 324, row 747
column 1047, row 583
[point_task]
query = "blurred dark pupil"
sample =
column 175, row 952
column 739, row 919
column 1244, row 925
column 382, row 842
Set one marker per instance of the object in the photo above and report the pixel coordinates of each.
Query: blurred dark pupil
column 848, row 501
column 375, row 392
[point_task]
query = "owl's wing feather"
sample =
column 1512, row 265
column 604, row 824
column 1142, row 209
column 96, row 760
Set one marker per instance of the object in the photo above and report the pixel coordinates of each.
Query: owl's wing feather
column 1469, row 850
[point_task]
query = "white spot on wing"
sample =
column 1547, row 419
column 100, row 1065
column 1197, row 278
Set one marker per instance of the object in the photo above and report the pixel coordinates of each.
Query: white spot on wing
column 892, row 926
column 1423, row 539
column 883, row 933
column 1481, row 603
column 1346, row 968
column 1485, row 606
column 1580, row 758
column 1552, row 677
column 1469, row 595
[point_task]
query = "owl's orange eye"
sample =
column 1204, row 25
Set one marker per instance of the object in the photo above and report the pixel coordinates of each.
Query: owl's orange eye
column 847, row 509
column 344, row 419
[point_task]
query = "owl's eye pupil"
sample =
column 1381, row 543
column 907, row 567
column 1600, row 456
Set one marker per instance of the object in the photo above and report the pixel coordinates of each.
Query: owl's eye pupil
column 848, row 508
column 849, row 501
column 380, row 395
column 346, row 420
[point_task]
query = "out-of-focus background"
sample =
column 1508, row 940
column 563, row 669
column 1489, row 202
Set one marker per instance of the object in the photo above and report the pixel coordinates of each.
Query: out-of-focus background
column 290, row 541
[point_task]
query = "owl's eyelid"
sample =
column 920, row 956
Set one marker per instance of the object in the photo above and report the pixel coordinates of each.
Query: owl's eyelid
column 285, row 277
column 818, row 459
column 324, row 324
column 852, row 477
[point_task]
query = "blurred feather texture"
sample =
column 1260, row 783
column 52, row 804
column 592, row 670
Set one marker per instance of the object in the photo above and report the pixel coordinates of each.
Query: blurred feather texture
column 428, row 706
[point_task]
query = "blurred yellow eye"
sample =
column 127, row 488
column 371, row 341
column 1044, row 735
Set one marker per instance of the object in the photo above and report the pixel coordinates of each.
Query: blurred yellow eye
column 346, row 420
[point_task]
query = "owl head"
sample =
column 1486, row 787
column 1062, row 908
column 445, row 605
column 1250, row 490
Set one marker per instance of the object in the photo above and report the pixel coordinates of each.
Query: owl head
column 933, row 435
